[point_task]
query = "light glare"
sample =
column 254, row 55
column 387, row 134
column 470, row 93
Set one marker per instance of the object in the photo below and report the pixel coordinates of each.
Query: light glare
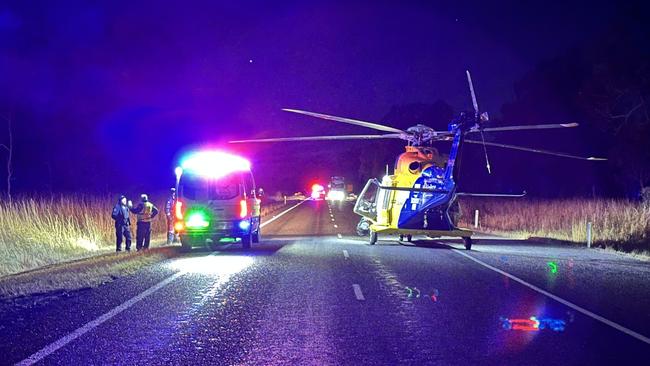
column 214, row 164
column 224, row 265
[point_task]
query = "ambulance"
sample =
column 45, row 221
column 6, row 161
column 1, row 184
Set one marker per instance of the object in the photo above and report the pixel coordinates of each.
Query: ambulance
column 217, row 202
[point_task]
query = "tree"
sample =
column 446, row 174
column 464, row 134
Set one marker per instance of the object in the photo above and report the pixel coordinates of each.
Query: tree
column 615, row 98
column 9, row 147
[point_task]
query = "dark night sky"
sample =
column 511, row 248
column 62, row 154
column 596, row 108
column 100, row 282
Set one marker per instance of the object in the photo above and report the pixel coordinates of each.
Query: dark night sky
column 105, row 95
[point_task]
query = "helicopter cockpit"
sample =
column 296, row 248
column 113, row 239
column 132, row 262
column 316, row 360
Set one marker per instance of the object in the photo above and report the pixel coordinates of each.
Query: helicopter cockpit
column 366, row 205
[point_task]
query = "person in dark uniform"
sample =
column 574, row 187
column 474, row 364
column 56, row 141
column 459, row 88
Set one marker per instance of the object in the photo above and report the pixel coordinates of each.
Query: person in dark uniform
column 122, row 223
column 145, row 211
column 169, row 213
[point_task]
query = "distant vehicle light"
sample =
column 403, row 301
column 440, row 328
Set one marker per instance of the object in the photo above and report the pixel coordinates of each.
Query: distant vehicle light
column 243, row 208
column 214, row 164
column 197, row 220
column 336, row 195
column 317, row 188
column 244, row 225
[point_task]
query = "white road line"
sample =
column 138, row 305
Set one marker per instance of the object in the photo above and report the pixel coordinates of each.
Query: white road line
column 61, row 342
column 282, row 213
column 53, row 347
column 339, row 236
column 357, row 292
column 346, row 254
column 336, row 226
column 560, row 300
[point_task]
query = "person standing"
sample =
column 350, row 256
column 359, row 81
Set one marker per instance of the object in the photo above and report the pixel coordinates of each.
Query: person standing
column 169, row 213
column 122, row 223
column 145, row 212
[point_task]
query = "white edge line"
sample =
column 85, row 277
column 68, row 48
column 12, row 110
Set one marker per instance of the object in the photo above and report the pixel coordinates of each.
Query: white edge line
column 573, row 306
column 61, row 342
column 53, row 347
column 282, row 213
column 346, row 254
column 357, row 292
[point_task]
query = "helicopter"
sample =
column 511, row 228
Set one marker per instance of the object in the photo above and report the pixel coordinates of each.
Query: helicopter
column 420, row 197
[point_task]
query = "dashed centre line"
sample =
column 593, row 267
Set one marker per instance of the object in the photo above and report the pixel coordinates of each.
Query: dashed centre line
column 357, row 292
column 339, row 236
column 346, row 254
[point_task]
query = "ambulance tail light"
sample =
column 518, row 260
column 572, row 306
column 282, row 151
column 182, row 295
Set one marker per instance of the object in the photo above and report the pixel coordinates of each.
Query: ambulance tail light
column 178, row 210
column 243, row 209
column 179, row 226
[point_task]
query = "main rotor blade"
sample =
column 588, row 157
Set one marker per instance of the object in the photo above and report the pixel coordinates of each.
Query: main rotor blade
column 526, row 127
column 323, row 138
column 540, row 151
column 471, row 90
column 356, row 122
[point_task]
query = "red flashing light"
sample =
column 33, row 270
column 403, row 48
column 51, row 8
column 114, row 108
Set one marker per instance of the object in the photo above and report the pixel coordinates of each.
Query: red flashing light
column 178, row 210
column 525, row 324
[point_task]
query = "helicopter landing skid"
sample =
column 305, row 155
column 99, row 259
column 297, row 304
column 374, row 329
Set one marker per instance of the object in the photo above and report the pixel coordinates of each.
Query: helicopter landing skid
column 466, row 235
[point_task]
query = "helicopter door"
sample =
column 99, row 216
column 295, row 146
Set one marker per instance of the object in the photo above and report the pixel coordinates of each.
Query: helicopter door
column 384, row 205
column 366, row 205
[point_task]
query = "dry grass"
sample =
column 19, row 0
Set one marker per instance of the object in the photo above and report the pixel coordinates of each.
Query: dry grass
column 40, row 232
column 81, row 274
column 620, row 224
column 67, row 243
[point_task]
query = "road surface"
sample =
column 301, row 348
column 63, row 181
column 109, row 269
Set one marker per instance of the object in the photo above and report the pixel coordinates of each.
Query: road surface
column 314, row 293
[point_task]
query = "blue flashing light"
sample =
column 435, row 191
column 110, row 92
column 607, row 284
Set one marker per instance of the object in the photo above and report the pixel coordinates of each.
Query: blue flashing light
column 244, row 225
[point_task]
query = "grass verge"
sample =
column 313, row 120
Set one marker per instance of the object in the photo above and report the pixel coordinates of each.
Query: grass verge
column 81, row 274
column 66, row 244
column 617, row 224
column 35, row 233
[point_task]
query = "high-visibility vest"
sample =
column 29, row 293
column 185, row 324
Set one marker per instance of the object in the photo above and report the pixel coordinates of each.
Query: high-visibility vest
column 145, row 214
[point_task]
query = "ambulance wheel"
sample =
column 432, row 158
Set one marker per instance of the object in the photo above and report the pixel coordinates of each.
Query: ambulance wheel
column 186, row 244
column 409, row 238
column 401, row 238
column 373, row 237
column 257, row 236
column 246, row 241
column 468, row 242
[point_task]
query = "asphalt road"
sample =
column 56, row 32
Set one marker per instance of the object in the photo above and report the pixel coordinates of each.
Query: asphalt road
column 314, row 293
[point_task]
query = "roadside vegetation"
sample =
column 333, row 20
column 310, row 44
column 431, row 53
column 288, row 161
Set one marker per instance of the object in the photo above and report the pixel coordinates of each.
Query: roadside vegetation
column 619, row 224
column 67, row 243
column 75, row 275
column 39, row 232
column 36, row 232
